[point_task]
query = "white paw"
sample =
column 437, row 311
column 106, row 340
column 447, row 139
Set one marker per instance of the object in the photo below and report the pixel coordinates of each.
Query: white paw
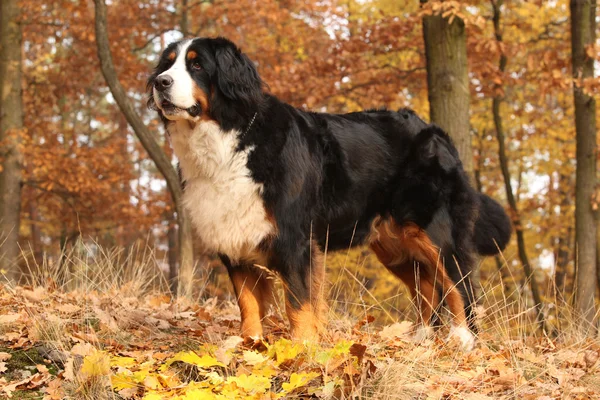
column 464, row 336
column 422, row 333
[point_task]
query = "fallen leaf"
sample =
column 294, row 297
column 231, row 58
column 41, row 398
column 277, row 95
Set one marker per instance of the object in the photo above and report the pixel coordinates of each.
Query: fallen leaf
column 397, row 330
column 298, row 380
column 9, row 318
column 190, row 357
column 68, row 308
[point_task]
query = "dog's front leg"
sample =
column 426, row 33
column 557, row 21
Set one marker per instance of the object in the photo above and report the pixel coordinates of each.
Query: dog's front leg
column 304, row 286
column 254, row 292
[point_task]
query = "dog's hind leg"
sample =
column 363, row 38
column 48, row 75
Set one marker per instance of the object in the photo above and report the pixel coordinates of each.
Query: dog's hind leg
column 459, row 267
column 425, row 295
column 398, row 244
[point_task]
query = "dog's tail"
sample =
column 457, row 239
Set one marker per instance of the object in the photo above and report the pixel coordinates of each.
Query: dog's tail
column 492, row 228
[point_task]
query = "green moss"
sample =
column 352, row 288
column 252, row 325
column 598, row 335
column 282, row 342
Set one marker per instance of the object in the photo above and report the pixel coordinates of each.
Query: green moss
column 24, row 360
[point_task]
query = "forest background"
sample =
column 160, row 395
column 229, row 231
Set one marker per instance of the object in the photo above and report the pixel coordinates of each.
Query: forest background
column 76, row 179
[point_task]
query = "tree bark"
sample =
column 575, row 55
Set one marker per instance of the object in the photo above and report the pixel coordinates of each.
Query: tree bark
column 144, row 135
column 448, row 81
column 448, row 91
column 11, row 131
column 184, row 19
column 512, row 202
column 583, row 34
column 563, row 246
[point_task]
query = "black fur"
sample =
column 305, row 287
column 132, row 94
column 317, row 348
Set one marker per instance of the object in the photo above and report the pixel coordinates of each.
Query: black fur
column 492, row 228
column 326, row 177
column 434, row 192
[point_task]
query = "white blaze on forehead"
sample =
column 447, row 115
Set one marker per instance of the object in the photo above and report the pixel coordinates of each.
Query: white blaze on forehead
column 181, row 93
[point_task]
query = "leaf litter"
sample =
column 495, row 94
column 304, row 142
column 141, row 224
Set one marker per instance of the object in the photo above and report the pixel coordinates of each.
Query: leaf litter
column 107, row 345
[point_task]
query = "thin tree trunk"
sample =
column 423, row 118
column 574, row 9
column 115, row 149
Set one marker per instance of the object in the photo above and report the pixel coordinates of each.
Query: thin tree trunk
column 583, row 34
column 186, row 253
column 172, row 252
column 448, row 92
column 448, row 81
column 11, row 130
column 496, row 4
column 597, row 254
column 563, row 255
column 185, row 31
column 563, row 247
column 505, row 276
column 36, row 236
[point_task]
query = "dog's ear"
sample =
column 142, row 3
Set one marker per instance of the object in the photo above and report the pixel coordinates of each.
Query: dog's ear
column 438, row 146
column 237, row 77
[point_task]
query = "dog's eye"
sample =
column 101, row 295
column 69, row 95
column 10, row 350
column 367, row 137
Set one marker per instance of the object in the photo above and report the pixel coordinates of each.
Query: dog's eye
column 196, row 66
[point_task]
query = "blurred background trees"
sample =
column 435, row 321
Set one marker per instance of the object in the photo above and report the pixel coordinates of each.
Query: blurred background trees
column 498, row 76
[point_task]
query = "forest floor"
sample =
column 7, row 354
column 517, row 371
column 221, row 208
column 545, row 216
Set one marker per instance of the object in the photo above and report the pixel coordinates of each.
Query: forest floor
column 129, row 342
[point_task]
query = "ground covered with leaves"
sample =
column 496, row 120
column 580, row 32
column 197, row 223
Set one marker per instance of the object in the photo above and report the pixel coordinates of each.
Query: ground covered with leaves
column 113, row 345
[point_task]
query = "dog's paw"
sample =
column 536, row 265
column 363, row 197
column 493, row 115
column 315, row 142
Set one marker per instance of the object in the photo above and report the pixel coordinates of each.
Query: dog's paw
column 464, row 336
column 422, row 333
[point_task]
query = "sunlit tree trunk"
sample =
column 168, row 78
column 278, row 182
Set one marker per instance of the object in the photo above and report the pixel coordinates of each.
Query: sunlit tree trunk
column 583, row 34
column 448, row 81
column 11, row 129
column 448, row 91
column 497, row 99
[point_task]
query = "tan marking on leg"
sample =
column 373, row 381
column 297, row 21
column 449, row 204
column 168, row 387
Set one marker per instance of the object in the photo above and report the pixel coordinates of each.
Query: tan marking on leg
column 421, row 287
column 397, row 245
column 254, row 293
column 308, row 321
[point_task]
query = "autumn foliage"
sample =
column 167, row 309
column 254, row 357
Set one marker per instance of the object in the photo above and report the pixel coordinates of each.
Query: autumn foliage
column 89, row 188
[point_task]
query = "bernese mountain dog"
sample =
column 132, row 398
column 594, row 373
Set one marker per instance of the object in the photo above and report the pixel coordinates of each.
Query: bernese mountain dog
column 270, row 185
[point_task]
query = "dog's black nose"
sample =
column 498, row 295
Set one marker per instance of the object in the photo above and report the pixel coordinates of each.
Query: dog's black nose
column 163, row 82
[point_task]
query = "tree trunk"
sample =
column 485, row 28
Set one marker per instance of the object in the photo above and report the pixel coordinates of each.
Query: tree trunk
column 448, row 81
column 186, row 253
column 11, row 130
column 497, row 99
column 583, row 34
column 448, row 92
column 36, row 236
column 172, row 252
column 185, row 31
column 563, row 247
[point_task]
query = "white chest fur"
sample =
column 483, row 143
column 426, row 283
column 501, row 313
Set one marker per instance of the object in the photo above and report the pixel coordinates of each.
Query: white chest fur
column 224, row 202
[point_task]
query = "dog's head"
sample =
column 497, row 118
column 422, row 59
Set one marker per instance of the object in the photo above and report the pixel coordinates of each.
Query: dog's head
column 205, row 79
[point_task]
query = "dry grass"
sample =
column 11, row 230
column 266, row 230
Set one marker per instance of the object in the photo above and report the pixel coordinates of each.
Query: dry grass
column 117, row 303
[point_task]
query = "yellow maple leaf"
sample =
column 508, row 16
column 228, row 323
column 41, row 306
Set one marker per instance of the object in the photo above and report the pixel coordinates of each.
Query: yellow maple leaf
column 96, row 364
column 251, row 384
column 154, row 396
column 298, row 380
column 284, row 349
column 123, row 380
column 126, row 362
column 190, row 357
column 152, row 382
column 254, row 357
